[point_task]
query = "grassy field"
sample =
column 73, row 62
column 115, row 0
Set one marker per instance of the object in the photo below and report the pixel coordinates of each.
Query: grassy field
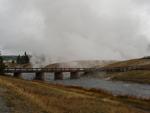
column 132, row 62
column 38, row 97
column 141, row 76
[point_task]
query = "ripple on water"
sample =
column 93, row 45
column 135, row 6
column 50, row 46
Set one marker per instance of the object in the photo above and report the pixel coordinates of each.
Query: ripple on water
column 116, row 88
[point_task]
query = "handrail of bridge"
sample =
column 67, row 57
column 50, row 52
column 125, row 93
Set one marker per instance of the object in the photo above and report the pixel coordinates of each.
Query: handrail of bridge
column 126, row 68
column 49, row 69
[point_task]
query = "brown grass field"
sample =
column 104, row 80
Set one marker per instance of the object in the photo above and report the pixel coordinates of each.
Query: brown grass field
column 137, row 76
column 132, row 62
column 38, row 97
column 132, row 76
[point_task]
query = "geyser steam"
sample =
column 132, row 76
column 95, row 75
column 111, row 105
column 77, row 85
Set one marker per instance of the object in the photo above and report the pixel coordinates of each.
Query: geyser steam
column 75, row 29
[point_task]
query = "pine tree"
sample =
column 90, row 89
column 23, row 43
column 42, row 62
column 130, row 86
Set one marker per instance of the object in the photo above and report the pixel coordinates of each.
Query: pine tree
column 26, row 58
column 23, row 59
column 19, row 59
column 2, row 65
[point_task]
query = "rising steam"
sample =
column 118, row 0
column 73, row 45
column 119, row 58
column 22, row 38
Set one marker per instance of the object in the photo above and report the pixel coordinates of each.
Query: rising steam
column 62, row 30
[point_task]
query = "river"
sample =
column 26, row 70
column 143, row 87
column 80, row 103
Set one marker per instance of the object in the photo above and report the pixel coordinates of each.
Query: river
column 114, row 87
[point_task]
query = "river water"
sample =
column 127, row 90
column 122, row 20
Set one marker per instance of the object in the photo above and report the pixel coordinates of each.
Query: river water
column 114, row 87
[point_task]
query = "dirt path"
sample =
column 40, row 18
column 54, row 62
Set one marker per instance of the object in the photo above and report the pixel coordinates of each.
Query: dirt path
column 3, row 106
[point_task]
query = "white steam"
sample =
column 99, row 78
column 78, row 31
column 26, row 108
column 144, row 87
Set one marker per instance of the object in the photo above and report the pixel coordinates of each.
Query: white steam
column 65, row 30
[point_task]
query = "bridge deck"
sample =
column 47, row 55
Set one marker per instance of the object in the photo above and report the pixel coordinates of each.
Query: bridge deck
column 34, row 70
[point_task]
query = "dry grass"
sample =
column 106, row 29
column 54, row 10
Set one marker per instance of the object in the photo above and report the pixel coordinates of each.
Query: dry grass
column 132, row 76
column 133, row 62
column 36, row 97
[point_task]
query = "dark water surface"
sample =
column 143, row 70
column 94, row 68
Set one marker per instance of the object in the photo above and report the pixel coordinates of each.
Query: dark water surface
column 116, row 88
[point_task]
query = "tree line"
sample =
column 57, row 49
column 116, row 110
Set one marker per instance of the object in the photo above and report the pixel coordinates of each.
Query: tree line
column 2, row 65
column 23, row 59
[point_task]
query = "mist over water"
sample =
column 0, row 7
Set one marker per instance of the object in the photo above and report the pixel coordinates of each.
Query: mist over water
column 63, row 30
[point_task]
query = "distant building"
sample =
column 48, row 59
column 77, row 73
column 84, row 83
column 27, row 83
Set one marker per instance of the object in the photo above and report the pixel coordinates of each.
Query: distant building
column 20, row 59
column 9, row 58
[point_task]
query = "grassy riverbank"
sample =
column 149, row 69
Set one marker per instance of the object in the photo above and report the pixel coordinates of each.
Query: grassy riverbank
column 132, row 62
column 38, row 97
column 132, row 76
column 137, row 76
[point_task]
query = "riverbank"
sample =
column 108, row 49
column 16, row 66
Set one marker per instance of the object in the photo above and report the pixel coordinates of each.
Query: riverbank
column 134, row 76
column 38, row 97
column 137, row 76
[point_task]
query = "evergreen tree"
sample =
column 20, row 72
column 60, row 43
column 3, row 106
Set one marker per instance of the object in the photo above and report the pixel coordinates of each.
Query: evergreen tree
column 23, row 59
column 19, row 59
column 27, row 59
column 25, row 54
column 2, row 65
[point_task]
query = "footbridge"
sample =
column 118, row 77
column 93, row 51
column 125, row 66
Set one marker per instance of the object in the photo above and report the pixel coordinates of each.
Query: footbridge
column 74, row 72
column 58, row 72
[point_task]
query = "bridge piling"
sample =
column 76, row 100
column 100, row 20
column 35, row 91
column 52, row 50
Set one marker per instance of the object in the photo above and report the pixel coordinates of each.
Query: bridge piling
column 58, row 76
column 17, row 74
column 86, row 73
column 39, row 76
column 74, row 75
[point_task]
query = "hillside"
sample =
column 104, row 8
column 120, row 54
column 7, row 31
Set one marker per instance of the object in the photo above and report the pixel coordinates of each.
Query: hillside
column 132, row 62
column 80, row 64
column 37, row 97
column 140, row 76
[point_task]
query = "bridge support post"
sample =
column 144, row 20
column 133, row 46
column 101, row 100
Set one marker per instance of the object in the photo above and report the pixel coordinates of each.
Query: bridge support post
column 88, row 73
column 17, row 74
column 39, row 76
column 58, row 76
column 74, row 75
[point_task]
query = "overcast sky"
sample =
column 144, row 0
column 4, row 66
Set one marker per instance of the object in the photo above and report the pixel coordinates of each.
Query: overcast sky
column 76, row 29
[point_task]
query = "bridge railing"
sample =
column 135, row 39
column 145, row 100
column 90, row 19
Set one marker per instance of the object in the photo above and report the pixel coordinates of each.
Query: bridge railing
column 49, row 69
column 111, row 69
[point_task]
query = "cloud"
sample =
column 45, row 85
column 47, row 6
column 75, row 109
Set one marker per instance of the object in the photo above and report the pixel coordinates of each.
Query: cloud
column 75, row 29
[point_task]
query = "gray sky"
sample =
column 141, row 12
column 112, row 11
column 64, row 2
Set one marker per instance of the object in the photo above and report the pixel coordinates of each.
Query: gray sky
column 76, row 29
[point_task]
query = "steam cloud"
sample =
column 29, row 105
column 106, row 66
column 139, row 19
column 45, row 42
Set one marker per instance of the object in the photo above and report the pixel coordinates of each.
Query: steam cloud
column 66, row 30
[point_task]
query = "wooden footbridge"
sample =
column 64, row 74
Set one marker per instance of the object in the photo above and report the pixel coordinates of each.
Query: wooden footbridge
column 74, row 72
column 58, row 72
